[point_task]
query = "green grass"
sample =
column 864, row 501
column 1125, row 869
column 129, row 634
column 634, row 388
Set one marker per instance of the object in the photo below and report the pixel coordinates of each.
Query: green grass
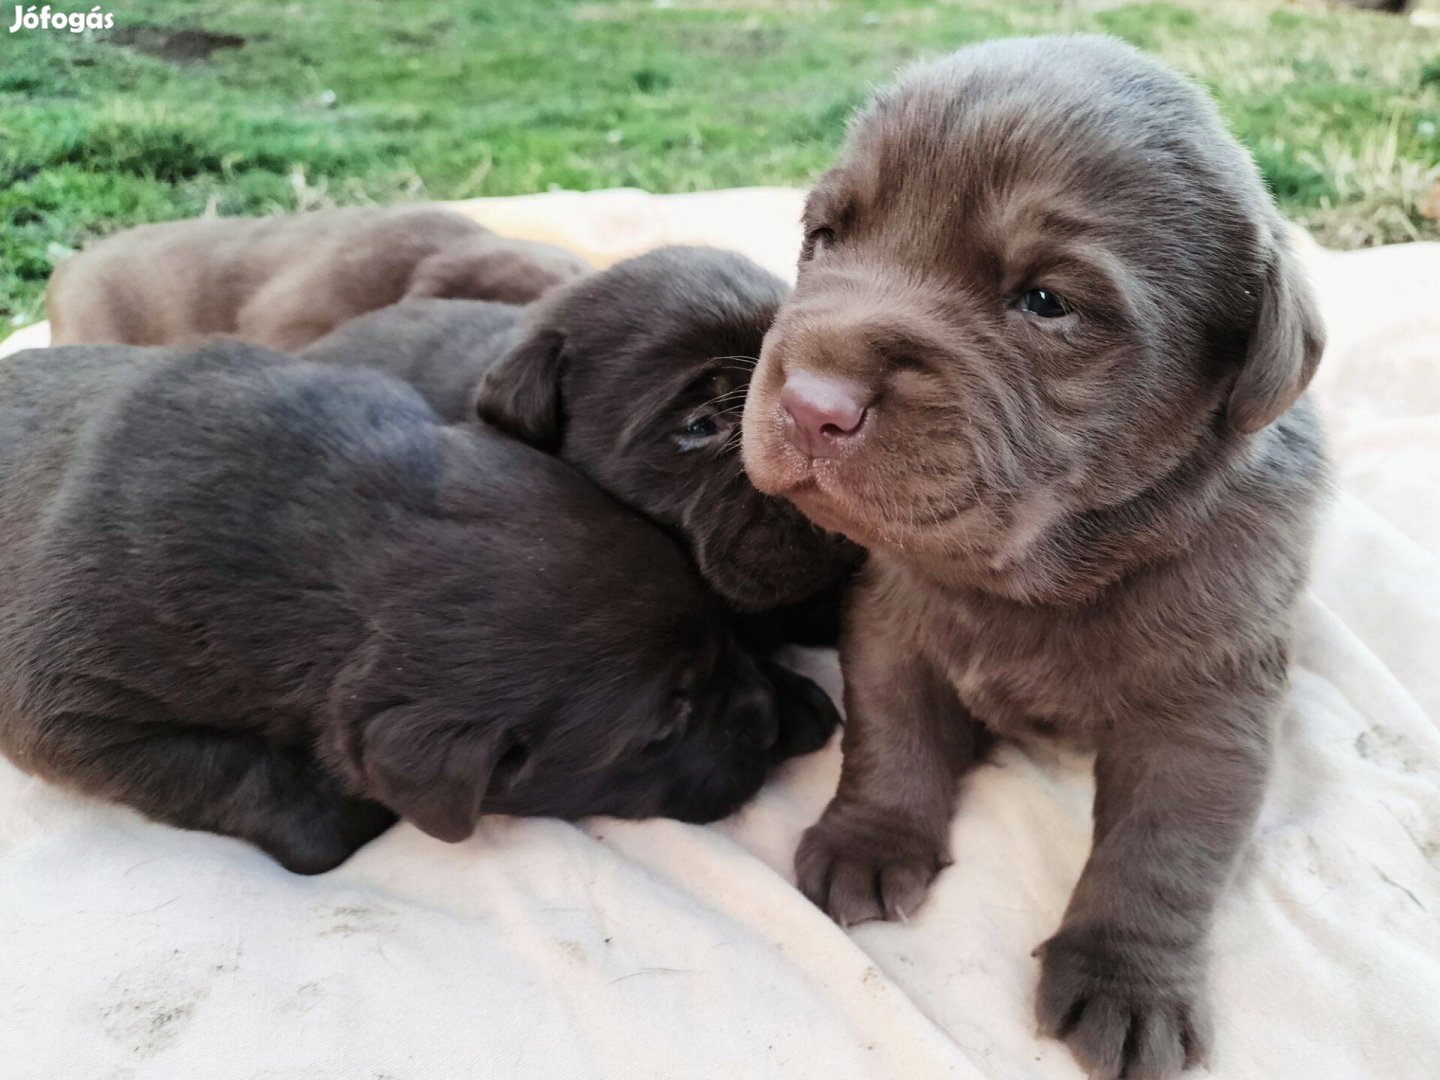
column 358, row 101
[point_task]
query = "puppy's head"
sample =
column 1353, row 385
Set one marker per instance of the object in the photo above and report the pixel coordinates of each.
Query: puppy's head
column 637, row 376
column 583, row 685
column 1039, row 275
column 490, row 267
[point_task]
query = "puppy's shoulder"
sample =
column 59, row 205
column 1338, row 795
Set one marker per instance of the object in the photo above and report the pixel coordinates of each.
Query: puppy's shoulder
column 1242, row 565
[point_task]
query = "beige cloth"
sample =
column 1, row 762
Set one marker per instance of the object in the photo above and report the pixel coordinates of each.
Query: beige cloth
column 552, row 951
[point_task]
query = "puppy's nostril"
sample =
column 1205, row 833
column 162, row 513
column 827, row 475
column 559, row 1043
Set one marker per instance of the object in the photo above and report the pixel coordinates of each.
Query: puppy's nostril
column 822, row 413
column 835, row 431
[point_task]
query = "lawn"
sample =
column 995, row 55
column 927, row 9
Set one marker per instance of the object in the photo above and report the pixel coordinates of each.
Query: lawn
column 248, row 107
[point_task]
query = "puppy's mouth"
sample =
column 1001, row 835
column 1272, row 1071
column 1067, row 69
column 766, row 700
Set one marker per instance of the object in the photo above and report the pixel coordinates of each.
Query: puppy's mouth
column 834, row 496
column 828, row 508
column 871, row 526
column 851, row 494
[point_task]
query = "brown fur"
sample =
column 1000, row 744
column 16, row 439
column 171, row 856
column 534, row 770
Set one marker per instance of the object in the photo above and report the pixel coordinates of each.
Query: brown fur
column 286, row 281
column 1092, row 524
column 635, row 375
column 284, row 602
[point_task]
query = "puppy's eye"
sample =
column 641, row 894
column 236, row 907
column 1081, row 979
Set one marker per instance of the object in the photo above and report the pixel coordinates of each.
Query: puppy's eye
column 1046, row 303
column 701, row 429
column 818, row 240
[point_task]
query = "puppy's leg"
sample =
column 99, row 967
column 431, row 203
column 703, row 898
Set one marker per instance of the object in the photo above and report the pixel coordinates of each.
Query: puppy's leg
column 884, row 836
column 1122, row 982
column 193, row 778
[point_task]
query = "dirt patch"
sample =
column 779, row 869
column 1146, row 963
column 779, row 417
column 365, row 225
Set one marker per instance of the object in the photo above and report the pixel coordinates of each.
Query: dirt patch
column 146, row 1008
column 187, row 46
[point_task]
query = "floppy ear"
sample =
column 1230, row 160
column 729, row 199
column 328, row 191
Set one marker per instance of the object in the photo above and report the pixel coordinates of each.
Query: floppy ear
column 431, row 772
column 1286, row 341
column 521, row 393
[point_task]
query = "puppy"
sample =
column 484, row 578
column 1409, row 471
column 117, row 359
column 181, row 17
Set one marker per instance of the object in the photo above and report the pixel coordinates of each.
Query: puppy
column 285, row 281
column 275, row 600
column 636, row 376
column 1045, row 359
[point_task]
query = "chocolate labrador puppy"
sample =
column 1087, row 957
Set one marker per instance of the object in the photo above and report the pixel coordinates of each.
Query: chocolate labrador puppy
column 277, row 600
column 636, row 376
column 284, row 281
column 1045, row 359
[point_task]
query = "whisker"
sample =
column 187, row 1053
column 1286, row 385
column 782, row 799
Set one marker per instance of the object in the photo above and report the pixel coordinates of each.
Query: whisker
column 734, row 392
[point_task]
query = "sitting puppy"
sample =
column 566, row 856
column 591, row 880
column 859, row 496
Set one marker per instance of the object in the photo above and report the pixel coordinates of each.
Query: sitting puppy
column 271, row 599
column 636, row 376
column 285, row 281
column 1045, row 360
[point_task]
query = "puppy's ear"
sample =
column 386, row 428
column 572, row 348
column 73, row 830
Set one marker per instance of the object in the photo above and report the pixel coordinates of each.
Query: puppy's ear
column 521, row 393
column 434, row 773
column 1286, row 341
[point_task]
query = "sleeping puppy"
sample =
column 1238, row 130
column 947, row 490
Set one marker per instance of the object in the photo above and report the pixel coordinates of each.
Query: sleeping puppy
column 283, row 602
column 636, row 376
column 285, row 281
column 1045, row 359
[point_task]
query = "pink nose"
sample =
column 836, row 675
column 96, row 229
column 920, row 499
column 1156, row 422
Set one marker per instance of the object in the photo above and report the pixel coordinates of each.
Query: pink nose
column 822, row 415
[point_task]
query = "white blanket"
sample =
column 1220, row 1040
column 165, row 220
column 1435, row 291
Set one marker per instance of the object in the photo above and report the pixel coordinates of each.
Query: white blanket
column 606, row 949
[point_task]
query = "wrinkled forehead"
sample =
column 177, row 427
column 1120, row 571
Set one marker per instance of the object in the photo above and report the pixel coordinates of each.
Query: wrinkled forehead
column 644, row 362
column 974, row 171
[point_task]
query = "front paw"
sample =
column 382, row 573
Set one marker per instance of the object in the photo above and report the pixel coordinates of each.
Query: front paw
column 324, row 829
column 859, row 863
column 1124, row 1010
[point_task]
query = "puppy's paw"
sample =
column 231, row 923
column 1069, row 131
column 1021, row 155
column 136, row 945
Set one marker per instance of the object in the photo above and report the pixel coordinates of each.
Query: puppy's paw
column 1124, row 1011
column 860, row 863
column 807, row 715
column 328, row 834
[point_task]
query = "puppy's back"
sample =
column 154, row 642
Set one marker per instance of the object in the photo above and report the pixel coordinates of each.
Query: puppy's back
column 156, row 502
column 440, row 347
column 162, row 284
column 177, row 521
column 178, row 282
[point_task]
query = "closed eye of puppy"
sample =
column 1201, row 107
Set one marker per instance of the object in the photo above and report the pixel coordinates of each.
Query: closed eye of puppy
column 332, row 608
column 1045, row 358
column 636, row 375
column 287, row 280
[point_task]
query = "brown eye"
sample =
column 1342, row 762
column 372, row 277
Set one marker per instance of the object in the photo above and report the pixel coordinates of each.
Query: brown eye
column 1044, row 302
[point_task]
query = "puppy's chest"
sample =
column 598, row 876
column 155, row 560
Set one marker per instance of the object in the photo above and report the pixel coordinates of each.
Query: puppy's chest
column 1029, row 675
